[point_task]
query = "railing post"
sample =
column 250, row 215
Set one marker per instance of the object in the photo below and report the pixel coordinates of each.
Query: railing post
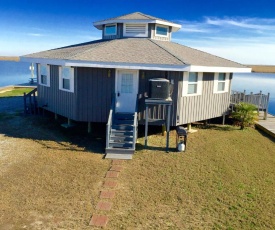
column 259, row 101
column 244, row 92
column 266, row 110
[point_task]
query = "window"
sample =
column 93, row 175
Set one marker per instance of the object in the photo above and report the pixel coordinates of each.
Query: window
column 127, row 83
column 192, row 83
column 221, row 82
column 135, row 30
column 162, row 31
column 110, row 29
column 44, row 75
column 66, row 79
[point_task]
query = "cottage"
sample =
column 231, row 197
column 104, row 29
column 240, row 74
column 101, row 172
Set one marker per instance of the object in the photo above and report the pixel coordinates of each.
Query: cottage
column 81, row 81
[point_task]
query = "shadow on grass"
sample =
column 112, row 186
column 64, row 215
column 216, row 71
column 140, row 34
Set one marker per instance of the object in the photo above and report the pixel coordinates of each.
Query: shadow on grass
column 266, row 134
column 221, row 127
column 141, row 147
column 48, row 132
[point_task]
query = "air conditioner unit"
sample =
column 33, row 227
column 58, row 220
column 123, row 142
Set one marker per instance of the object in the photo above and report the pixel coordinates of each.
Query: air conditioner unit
column 159, row 88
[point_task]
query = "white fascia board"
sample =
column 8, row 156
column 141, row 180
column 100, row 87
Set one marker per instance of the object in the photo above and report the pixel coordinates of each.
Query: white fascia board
column 133, row 66
column 175, row 27
column 215, row 69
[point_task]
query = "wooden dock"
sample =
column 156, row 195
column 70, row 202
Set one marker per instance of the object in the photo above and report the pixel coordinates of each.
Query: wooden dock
column 267, row 125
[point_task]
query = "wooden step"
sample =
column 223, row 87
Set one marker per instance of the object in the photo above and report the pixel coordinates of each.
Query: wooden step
column 120, row 145
column 124, row 116
column 121, row 138
column 123, row 122
column 122, row 127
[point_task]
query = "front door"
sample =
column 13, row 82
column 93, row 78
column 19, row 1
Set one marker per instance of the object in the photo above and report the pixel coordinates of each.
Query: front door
column 126, row 91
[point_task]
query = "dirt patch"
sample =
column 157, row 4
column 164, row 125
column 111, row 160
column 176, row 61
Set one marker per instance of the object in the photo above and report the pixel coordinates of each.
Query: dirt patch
column 47, row 180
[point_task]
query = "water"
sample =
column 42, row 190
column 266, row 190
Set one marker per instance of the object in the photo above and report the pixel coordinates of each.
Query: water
column 256, row 82
column 12, row 73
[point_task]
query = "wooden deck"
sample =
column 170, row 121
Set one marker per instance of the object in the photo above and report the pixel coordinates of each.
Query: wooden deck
column 267, row 125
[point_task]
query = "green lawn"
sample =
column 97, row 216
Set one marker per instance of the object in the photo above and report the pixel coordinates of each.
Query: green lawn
column 49, row 175
column 15, row 92
column 225, row 180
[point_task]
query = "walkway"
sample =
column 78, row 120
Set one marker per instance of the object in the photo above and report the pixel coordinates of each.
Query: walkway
column 267, row 125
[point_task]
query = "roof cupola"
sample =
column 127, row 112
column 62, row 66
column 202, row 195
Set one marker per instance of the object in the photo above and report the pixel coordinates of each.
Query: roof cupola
column 137, row 25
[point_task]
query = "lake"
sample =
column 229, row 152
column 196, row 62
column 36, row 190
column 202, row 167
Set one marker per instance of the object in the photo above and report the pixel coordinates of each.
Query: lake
column 12, row 73
column 256, row 82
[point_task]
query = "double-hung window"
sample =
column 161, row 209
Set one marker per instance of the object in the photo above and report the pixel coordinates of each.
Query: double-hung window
column 192, row 84
column 221, row 82
column 66, row 79
column 110, row 30
column 162, row 31
column 44, row 75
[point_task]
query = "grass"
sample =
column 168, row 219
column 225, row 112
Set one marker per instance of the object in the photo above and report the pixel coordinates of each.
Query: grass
column 50, row 179
column 263, row 68
column 9, row 58
column 15, row 92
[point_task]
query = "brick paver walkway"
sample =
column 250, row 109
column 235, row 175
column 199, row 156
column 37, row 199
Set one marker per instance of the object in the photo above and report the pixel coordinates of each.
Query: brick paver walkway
column 108, row 193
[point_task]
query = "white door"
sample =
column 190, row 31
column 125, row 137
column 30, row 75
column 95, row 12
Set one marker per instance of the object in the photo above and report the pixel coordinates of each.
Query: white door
column 126, row 90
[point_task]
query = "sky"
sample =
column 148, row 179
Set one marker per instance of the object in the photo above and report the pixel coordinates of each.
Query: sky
column 239, row 30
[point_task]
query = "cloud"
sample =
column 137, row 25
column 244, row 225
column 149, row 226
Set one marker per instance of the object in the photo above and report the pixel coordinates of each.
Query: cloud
column 245, row 40
column 247, row 23
column 35, row 34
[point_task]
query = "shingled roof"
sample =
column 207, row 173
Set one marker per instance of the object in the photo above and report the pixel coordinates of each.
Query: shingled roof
column 134, row 16
column 136, row 51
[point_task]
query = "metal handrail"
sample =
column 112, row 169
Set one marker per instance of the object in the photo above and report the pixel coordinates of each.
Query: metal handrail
column 110, row 122
column 135, row 125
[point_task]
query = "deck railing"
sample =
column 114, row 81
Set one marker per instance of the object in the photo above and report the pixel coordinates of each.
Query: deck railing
column 30, row 102
column 259, row 99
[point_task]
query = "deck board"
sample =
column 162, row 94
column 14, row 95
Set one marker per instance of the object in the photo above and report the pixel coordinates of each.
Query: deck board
column 267, row 125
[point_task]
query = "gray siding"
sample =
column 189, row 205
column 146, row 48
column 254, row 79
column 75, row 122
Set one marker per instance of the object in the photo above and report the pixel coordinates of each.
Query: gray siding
column 55, row 100
column 157, row 112
column 202, row 107
column 95, row 90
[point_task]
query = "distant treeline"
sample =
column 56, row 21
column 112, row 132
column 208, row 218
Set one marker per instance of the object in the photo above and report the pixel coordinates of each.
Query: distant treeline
column 262, row 68
column 9, row 58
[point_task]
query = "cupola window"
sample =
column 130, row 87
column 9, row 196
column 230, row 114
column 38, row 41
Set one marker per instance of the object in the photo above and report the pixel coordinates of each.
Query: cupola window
column 162, row 31
column 110, row 29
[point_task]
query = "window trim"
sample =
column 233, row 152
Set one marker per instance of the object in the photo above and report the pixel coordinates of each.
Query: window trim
column 48, row 75
column 186, row 83
column 160, row 35
column 105, row 34
column 216, row 83
column 137, row 35
column 71, row 79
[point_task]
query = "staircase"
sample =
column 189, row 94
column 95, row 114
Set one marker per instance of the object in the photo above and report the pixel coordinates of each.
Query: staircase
column 121, row 135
